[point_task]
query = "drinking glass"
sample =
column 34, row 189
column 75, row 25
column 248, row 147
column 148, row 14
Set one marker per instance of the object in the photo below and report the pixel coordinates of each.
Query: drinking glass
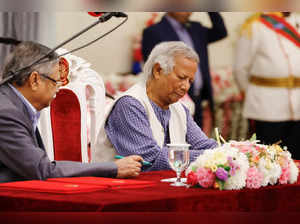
column 179, row 157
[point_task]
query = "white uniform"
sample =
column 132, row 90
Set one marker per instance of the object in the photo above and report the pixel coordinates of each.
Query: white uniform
column 263, row 53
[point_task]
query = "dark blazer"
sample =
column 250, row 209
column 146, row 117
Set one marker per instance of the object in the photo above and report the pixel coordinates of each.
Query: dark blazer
column 22, row 153
column 201, row 36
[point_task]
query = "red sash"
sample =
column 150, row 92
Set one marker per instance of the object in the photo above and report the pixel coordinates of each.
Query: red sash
column 280, row 26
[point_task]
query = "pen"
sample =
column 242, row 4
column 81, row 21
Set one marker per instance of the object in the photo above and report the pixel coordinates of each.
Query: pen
column 145, row 163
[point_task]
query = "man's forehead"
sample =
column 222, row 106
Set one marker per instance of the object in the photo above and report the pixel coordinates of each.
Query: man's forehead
column 180, row 57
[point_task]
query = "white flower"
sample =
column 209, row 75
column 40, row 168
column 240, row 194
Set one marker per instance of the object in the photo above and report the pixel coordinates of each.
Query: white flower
column 238, row 181
column 270, row 170
column 268, row 165
column 275, row 173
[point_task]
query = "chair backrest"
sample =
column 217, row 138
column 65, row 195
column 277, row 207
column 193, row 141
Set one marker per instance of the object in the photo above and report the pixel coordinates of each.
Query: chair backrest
column 69, row 128
column 68, row 124
column 63, row 125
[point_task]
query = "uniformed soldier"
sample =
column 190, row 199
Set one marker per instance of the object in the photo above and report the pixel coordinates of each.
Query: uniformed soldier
column 267, row 69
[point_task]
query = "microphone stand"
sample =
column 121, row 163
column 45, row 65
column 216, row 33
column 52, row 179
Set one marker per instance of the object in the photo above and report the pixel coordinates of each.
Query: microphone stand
column 103, row 18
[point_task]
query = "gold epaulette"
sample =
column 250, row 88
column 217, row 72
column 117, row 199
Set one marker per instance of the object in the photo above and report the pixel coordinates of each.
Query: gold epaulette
column 246, row 27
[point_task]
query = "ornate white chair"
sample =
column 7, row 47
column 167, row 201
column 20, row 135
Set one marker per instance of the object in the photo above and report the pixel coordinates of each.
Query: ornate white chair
column 70, row 125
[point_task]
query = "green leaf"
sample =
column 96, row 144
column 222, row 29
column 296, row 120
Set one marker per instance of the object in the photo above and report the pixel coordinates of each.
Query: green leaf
column 248, row 154
column 221, row 184
column 194, row 169
column 253, row 137
column 227, row 168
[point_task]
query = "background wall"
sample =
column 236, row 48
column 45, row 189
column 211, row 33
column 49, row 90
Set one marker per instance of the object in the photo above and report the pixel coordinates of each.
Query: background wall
column 113, row 53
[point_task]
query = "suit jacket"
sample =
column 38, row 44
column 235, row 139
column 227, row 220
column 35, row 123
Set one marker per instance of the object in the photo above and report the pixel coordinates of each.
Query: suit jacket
column 201, row 36
column 22, row 153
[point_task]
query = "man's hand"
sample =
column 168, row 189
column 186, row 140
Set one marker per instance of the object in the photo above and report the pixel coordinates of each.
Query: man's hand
column 129, row 166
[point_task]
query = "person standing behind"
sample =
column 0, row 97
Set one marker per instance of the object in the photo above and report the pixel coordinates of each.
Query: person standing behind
column 22, row 152
column 267, row 70
column 176, row 26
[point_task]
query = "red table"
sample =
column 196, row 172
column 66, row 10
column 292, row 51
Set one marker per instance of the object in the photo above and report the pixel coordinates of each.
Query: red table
column 158, row 198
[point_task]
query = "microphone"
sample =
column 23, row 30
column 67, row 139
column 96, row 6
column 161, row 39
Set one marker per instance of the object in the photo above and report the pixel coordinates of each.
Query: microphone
column 104, row 16
column 8, row 40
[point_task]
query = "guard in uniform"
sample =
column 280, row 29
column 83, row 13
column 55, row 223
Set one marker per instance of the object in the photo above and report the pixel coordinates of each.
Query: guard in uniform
column 267, row 69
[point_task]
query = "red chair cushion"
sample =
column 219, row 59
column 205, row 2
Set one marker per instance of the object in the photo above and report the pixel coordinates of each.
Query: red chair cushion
column 66, row 126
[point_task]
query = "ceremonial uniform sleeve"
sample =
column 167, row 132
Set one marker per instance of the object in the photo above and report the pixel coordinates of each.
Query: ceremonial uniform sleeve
column 245, row 51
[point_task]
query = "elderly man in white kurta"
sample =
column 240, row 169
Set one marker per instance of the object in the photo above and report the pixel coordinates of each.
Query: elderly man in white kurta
column 267, row 70
column 148, row 116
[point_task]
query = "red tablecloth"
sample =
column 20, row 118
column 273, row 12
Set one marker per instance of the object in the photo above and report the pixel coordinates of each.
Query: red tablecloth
column 159, row 197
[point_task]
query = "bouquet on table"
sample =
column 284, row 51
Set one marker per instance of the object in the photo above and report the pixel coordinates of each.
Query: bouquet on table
column 236, row 165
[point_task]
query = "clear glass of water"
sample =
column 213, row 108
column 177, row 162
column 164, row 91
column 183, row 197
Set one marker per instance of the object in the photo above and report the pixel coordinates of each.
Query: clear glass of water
column 179, row 158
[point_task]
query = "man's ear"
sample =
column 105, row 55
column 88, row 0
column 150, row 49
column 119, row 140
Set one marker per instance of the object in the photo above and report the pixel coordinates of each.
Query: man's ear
column 34, row 81
column 156, row 71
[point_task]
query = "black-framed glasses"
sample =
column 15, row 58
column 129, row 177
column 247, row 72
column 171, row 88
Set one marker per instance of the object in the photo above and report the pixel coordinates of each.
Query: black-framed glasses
column 58, row 83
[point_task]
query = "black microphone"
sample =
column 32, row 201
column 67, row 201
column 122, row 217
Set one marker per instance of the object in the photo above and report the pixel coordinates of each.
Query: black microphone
column 120, row 14
column 104, row 16
column 8, row 40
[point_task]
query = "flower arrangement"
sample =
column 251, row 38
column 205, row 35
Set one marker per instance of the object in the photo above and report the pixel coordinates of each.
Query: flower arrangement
column 236, row 165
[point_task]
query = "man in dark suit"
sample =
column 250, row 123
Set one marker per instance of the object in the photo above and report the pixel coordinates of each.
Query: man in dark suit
column 175, row 26
column 22, row 153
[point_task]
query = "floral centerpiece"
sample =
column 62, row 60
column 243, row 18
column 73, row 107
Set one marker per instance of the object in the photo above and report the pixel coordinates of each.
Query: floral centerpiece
column 236, row 165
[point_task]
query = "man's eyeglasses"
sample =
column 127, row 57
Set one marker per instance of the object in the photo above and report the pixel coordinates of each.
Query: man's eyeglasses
column 58, row 83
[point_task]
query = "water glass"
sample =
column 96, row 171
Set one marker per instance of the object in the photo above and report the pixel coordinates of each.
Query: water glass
column 179, row 157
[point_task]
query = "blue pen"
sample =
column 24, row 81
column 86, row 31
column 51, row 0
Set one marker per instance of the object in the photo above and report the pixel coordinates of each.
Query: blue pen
column 145, row 163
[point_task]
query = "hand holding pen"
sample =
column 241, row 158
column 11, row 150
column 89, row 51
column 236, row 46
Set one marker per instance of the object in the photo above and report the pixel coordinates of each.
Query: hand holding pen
column 144, row 163
column 129, row 166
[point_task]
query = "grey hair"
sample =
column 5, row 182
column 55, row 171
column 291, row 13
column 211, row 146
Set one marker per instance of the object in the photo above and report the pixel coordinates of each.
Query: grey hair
column 24, row 55
column 164, row 54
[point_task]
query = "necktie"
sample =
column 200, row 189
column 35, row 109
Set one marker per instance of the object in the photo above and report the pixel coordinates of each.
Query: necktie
column 39, row 139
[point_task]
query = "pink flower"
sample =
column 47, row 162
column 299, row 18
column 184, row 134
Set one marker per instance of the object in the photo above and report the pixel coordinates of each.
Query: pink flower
column 285, row 175
column 192, row 178
column 254, row 178
column 244, row 147
column 206, row 177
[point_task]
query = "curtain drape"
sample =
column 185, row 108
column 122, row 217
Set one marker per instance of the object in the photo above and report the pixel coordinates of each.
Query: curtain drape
column 22, row 26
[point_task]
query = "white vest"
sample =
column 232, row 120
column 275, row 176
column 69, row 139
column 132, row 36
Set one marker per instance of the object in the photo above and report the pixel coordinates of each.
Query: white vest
column 104, row 151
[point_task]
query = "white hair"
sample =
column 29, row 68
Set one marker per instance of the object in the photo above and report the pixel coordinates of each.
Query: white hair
column 164, row 54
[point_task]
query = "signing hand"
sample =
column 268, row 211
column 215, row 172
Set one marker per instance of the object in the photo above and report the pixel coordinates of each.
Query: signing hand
column 129, row 166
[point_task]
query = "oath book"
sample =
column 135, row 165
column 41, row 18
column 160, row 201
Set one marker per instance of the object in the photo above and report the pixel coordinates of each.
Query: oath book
column 51, row 187
column 106, row 182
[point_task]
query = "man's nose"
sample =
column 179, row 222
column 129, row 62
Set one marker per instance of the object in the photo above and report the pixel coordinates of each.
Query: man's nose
column 186, row 85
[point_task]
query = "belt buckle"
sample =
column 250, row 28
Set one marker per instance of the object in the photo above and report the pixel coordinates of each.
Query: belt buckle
column 291, row 82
